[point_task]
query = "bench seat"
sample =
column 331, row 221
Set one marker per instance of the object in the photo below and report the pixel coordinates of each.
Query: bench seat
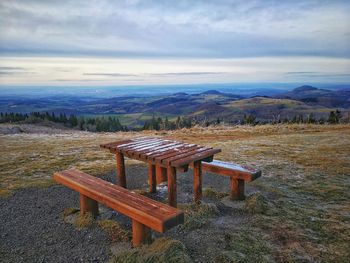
column 145, row 213
column 238, row 175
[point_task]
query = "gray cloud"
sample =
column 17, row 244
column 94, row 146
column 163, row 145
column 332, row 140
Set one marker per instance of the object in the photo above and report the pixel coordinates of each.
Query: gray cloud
column 175, row 28
column 166, row 74
column 319, row 75
column 110, row 74
column 6, row 71
column 11, row 68
column 185, row 74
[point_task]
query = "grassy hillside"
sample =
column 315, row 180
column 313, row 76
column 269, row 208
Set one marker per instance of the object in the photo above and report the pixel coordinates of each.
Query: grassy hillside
column 305, row 184
column 133, row 111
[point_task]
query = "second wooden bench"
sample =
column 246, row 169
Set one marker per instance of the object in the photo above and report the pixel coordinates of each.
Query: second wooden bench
column 238, row 175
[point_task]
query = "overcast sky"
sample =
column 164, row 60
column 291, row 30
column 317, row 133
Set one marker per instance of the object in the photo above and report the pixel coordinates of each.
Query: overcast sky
column 55, row 42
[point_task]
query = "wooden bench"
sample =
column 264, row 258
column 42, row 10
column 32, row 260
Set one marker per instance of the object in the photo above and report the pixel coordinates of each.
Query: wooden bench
column 145, row 213
column 238, row 175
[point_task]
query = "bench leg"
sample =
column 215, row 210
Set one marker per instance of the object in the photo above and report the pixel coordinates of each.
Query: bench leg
column 152, row 178
column 141, row 234
column 161, row 174
column 121, row 170
column 172, row 194
column 237, row 189
column 88, row 205
column 197, row 181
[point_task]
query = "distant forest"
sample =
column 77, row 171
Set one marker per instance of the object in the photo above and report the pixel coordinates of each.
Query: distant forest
column 112, row 124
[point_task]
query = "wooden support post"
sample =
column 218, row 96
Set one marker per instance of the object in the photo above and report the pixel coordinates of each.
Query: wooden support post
column 121, row 170
column 141, row 234
column 237, row 189
column 88, row 205
column 152, row 178
column 197, row 181
column 172, row 194
column 161, row 174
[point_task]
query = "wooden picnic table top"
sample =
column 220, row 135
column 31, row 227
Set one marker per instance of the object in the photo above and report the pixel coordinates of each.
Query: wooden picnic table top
column 162, row 151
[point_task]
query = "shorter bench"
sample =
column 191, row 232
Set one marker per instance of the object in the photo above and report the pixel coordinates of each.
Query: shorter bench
column 145, row 213
column 238, row 175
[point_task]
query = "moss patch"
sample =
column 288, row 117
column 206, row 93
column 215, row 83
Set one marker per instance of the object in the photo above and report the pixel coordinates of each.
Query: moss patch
column 197, row 216
column 161, row 250
column 69, row 211
column 114, row 231
column 256, row 204
column 212, row 193
column 246, row 246
column 84, row 220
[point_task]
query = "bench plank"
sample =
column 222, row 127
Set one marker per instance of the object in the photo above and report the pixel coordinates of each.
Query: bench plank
column 144, row 210
column 224, row 168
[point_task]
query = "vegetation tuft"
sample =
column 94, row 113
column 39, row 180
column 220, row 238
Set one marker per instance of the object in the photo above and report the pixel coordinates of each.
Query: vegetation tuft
column 197, row 215
column 85, row 220
column 114, row 230
column 69, row 211
column 247, row 245
column 161, row 250
column 212, row 193
column 256, row 204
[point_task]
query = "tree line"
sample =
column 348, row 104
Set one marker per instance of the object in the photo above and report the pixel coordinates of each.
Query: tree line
column 95, row 124
column 112, row 124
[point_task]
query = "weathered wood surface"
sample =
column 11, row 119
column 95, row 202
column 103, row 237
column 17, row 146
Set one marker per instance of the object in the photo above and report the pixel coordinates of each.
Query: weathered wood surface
column 245, row 173
column 238, row 176
column 152, row 178
column 167, row 156
column 161, row 174
column 237, row 189
column 88, row 205
column 148, row 212
column 162, row 151
column 172, row 193
column 141, row 234
column 197, row 181
column 121, row 169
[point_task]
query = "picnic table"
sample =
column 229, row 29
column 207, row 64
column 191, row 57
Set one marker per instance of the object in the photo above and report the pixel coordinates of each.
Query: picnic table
column 164, row 157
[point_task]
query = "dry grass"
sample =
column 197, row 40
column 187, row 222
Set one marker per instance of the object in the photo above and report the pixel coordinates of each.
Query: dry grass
column 31, row 159
column 305, row 169
column 161, row 250
column 85, row 220
column 197, row 216
column 114, row 230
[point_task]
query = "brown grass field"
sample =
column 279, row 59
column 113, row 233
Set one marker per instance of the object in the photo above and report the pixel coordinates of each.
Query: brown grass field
column 306, row 181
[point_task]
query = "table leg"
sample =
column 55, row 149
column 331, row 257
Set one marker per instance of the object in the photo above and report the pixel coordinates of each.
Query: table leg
column 197, row 181
column 172, row 194
column 161, row 174
column 121, row 170
column 152, row 178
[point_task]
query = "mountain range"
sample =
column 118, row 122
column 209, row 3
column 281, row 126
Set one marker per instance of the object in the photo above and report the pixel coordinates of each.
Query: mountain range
column 210, row 104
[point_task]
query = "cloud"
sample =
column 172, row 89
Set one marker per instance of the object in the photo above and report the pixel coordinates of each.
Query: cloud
column 166, row 74
column 110, row 74
column 200, row 29
column 5, row 71
column 185, row 74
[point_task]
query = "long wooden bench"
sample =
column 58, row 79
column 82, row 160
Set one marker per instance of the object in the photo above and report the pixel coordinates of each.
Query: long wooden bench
column 238, row 175
column 145, row 213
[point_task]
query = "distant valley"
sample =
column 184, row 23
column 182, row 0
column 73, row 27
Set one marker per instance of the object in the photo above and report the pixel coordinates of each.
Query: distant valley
column 209, row 105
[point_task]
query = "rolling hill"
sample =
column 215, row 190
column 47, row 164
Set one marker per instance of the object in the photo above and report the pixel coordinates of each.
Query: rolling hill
column 208, row 105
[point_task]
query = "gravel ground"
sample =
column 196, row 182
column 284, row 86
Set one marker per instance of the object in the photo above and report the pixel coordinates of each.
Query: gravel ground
column 32, row 228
